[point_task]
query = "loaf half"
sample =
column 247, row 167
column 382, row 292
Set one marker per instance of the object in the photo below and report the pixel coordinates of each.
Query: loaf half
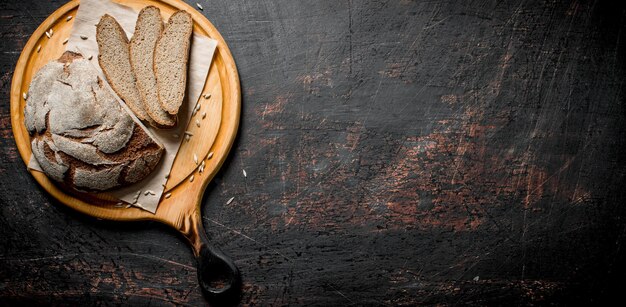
column 147, row 31
column 170, row 61
column 114, row 59
column 80, row 135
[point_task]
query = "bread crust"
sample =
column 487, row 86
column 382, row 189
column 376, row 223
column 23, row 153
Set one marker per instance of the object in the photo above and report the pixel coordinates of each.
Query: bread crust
column 88, row 142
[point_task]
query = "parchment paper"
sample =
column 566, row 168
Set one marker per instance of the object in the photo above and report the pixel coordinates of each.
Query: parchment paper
column 200, row 58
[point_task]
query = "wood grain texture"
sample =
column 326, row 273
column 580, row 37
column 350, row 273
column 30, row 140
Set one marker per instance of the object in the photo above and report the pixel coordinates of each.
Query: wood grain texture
column 397, row 153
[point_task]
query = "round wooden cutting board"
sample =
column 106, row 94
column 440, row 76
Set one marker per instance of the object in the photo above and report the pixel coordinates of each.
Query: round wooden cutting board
column 182, row 209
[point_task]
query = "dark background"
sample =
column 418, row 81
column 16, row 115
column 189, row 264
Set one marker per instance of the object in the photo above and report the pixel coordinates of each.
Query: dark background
column 397, row 152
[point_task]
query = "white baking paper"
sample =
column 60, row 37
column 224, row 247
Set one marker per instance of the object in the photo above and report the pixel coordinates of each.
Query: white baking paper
column 200, row 58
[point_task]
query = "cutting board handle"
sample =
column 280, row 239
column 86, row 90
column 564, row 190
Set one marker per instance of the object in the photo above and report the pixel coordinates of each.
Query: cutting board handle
column 217, row 274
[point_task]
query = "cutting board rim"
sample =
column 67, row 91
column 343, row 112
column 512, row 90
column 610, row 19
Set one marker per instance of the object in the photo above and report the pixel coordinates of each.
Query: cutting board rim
column 186, row 197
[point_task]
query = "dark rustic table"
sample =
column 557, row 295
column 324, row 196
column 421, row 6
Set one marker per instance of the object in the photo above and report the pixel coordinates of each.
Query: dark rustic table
column 397, row 152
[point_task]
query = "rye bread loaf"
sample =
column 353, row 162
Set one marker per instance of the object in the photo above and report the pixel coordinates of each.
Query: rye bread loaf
column 114, row 59
column 80, row 135
column 170, row 61
column 147, row 31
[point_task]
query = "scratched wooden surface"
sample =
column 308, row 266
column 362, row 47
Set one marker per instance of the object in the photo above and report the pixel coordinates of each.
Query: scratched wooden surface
column 397, row 152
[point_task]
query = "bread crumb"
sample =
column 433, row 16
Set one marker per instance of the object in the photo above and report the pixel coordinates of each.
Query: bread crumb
column 137, row 197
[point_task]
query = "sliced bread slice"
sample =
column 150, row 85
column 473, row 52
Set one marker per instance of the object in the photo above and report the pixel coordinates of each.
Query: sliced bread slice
column 147, row 31
column 170, row 61
column 114, row 59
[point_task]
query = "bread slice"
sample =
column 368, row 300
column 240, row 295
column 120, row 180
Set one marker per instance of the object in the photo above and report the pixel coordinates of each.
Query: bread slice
column 170, row 61
column 114, row 59
column 147, row 31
